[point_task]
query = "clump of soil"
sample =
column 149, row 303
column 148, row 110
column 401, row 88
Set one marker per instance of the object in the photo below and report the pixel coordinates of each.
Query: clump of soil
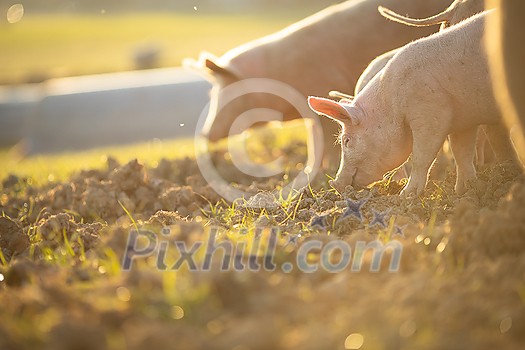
column 60, row 229
column 12, row 239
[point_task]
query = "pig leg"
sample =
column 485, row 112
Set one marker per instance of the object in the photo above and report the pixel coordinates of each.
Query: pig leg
column 427, row 142
column 499, row 139
column 481, row 142
column 463, row 146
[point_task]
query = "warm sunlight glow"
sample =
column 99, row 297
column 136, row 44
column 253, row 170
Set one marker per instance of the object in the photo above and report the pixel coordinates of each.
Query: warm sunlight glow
column 15, row 13
column 354, row 341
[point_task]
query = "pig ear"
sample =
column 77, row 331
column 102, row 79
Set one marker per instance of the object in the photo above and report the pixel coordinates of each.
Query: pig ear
column 332, row 109
column 340, row 95
column 210, row 62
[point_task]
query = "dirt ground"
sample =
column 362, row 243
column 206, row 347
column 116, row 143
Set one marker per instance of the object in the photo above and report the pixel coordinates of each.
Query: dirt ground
column 460, row 282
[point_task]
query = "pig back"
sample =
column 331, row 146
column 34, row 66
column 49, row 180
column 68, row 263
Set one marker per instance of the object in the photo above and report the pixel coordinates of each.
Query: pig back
column 452, row 67
column 330, row 50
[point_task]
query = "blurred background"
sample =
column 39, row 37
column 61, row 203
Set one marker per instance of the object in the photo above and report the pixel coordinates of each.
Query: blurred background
column 225, row 6
column 89, row 73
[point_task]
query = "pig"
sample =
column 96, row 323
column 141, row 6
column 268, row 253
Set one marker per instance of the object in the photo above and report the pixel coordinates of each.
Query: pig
column 309, row 57
column 495, row 146
column 433, row 87
column 459, row 10
column 492, row 141
column 504, row 43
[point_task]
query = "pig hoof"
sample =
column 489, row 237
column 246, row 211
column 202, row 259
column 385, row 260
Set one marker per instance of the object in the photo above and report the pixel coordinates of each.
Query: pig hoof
column 406, row 191
column 462, row 185
column 340, row 189
column 407, row 195
column 410, row 193
column 332, row 184
column 460, row 190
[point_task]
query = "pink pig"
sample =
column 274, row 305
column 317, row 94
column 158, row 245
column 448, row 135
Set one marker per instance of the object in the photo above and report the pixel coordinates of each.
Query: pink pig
column 325, row 51
column 433, row 87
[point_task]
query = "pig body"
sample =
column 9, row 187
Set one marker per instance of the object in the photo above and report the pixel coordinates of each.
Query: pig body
column 309, row 57
column 458, row 11
column 500, row 147
column 506, row 52
column 433, row 87
column 372, row 69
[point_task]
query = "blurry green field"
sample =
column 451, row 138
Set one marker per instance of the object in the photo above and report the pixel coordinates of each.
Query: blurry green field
column 48, row 46
column 58, row 167
column 42, row 46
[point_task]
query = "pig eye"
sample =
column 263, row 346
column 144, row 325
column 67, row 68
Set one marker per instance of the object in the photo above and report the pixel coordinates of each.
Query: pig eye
column 345, row 141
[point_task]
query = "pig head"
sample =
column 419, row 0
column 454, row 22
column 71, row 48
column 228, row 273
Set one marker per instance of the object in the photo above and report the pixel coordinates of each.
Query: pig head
column 369, row 147
column 227, row 105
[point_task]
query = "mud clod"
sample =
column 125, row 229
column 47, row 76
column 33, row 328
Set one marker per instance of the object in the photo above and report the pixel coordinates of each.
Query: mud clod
column 13, row 240
column 129, row 177
column 19, row 274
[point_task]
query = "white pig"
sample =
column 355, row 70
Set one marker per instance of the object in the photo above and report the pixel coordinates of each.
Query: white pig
column 459, row 10
column 325, row 51
column 431, row 88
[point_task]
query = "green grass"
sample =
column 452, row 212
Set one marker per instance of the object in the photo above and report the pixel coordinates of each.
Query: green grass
column 83, row 44
column 42, row 46
column 58, row 167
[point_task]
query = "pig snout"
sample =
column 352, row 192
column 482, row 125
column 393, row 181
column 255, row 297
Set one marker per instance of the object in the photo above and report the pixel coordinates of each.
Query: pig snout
column 345, row 177
column 214, row 128
column 217, row 126
column 357, row 178
column 339, row 186
column 214, row 134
